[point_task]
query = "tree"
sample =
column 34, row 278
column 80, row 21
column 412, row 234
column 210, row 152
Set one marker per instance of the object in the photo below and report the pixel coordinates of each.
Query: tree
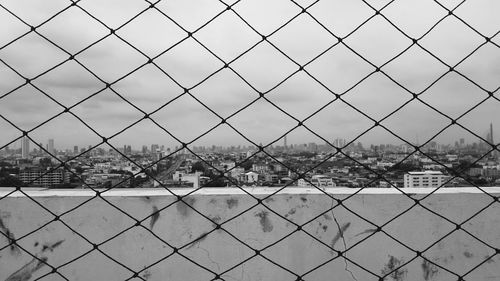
column 198, row 166
column 10, row 181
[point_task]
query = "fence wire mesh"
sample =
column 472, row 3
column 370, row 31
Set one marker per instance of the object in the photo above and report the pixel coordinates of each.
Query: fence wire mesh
column 151, row 60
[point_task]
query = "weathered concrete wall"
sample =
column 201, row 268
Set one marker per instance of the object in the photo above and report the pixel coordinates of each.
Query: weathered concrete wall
column 137, row 248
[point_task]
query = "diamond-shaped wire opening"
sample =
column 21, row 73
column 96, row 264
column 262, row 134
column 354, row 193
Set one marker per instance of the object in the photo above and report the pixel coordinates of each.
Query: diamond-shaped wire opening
column 263, row 268
column 35, row 12
column 300, row 96
column 111, row 52
column 25, row 55
column 119, row 113
column 191, row 15
column 342, row 269
column 339, row 120
column 14, row 106
column 95, row 265
column 228, row 36
column 269, row 227
column 417, row 233
column 225, row 93
column 73, row 30
column 69, row 83
column 314, row 39
column 152, row 41
column 218, row 251
column 339, row 69
column 149, row 131
column 148, row 88
column 265, row 21
column 404, row 69
column 453, row 95
column 483, row 19
column 340, row 17
column 474, row 120
column 471, row 252
column 264, row 56
column 385, row 41
column 372, row 95
column 451, row 41
column 385, row 254
column 10, row 80
column 122, row 11
column 69, row 131
column 482, row 67
column 172, row 117
column 138, row 241
column 262, row 123
column 16, row 28
column 188, row 63
column 10, row 134
column 478, row 226
column 488, row 268
column 409, row 16
column 175, row 267
column 417, row 133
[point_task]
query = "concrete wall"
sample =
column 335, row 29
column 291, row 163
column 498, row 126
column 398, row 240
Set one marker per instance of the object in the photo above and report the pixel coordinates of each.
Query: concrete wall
column 55, row 244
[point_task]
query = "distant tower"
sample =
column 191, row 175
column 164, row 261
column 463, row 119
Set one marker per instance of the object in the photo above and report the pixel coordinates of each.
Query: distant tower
column 51, row 146
column 285, row 142
column 491, row 140
column 25, row 147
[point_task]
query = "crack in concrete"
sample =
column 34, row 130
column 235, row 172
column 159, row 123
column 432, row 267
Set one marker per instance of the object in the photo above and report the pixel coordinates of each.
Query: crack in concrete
column 341, row 235
column 210, row 258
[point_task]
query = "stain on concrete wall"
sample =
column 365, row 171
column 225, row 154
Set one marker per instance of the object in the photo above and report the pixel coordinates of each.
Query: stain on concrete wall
column 40, row 260
column 155, row 215
column 26, row 272
column 198, row 240
column 340, row 233
column 265, row 222
column 14, row 249
column 468, row 254
column 183, row 207
column 232, row 202
column 429, row 270
column 392, row 269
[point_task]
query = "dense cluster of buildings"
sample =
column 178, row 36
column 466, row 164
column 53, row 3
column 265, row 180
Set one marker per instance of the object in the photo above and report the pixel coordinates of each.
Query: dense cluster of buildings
column 300, row 165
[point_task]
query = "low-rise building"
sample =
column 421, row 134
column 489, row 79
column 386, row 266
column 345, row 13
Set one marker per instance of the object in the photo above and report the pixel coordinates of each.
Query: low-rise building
column 424, row 179
column 44, row 178
column 318, row 181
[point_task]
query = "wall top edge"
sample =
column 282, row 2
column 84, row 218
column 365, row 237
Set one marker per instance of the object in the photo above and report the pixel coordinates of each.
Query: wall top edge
column 39, row 192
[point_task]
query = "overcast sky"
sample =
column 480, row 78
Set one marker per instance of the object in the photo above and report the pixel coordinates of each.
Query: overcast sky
column 227, row 36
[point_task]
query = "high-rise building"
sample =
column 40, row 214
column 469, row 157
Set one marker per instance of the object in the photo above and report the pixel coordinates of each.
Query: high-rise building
column 25, row 147
column 154, row 148
column 50, row 147
column 285, row 142
column 491, row 139
column 75, row 149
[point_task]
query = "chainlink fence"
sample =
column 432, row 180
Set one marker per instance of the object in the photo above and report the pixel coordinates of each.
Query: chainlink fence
column 377, row 12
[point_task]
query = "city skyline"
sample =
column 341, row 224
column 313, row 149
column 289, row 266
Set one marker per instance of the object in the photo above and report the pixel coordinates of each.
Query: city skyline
column 50, row 146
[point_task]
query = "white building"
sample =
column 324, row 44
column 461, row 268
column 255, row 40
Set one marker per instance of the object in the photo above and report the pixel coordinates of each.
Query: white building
column 251, row 177
column 181, row 176
column 424, row 179
column 318, row 181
